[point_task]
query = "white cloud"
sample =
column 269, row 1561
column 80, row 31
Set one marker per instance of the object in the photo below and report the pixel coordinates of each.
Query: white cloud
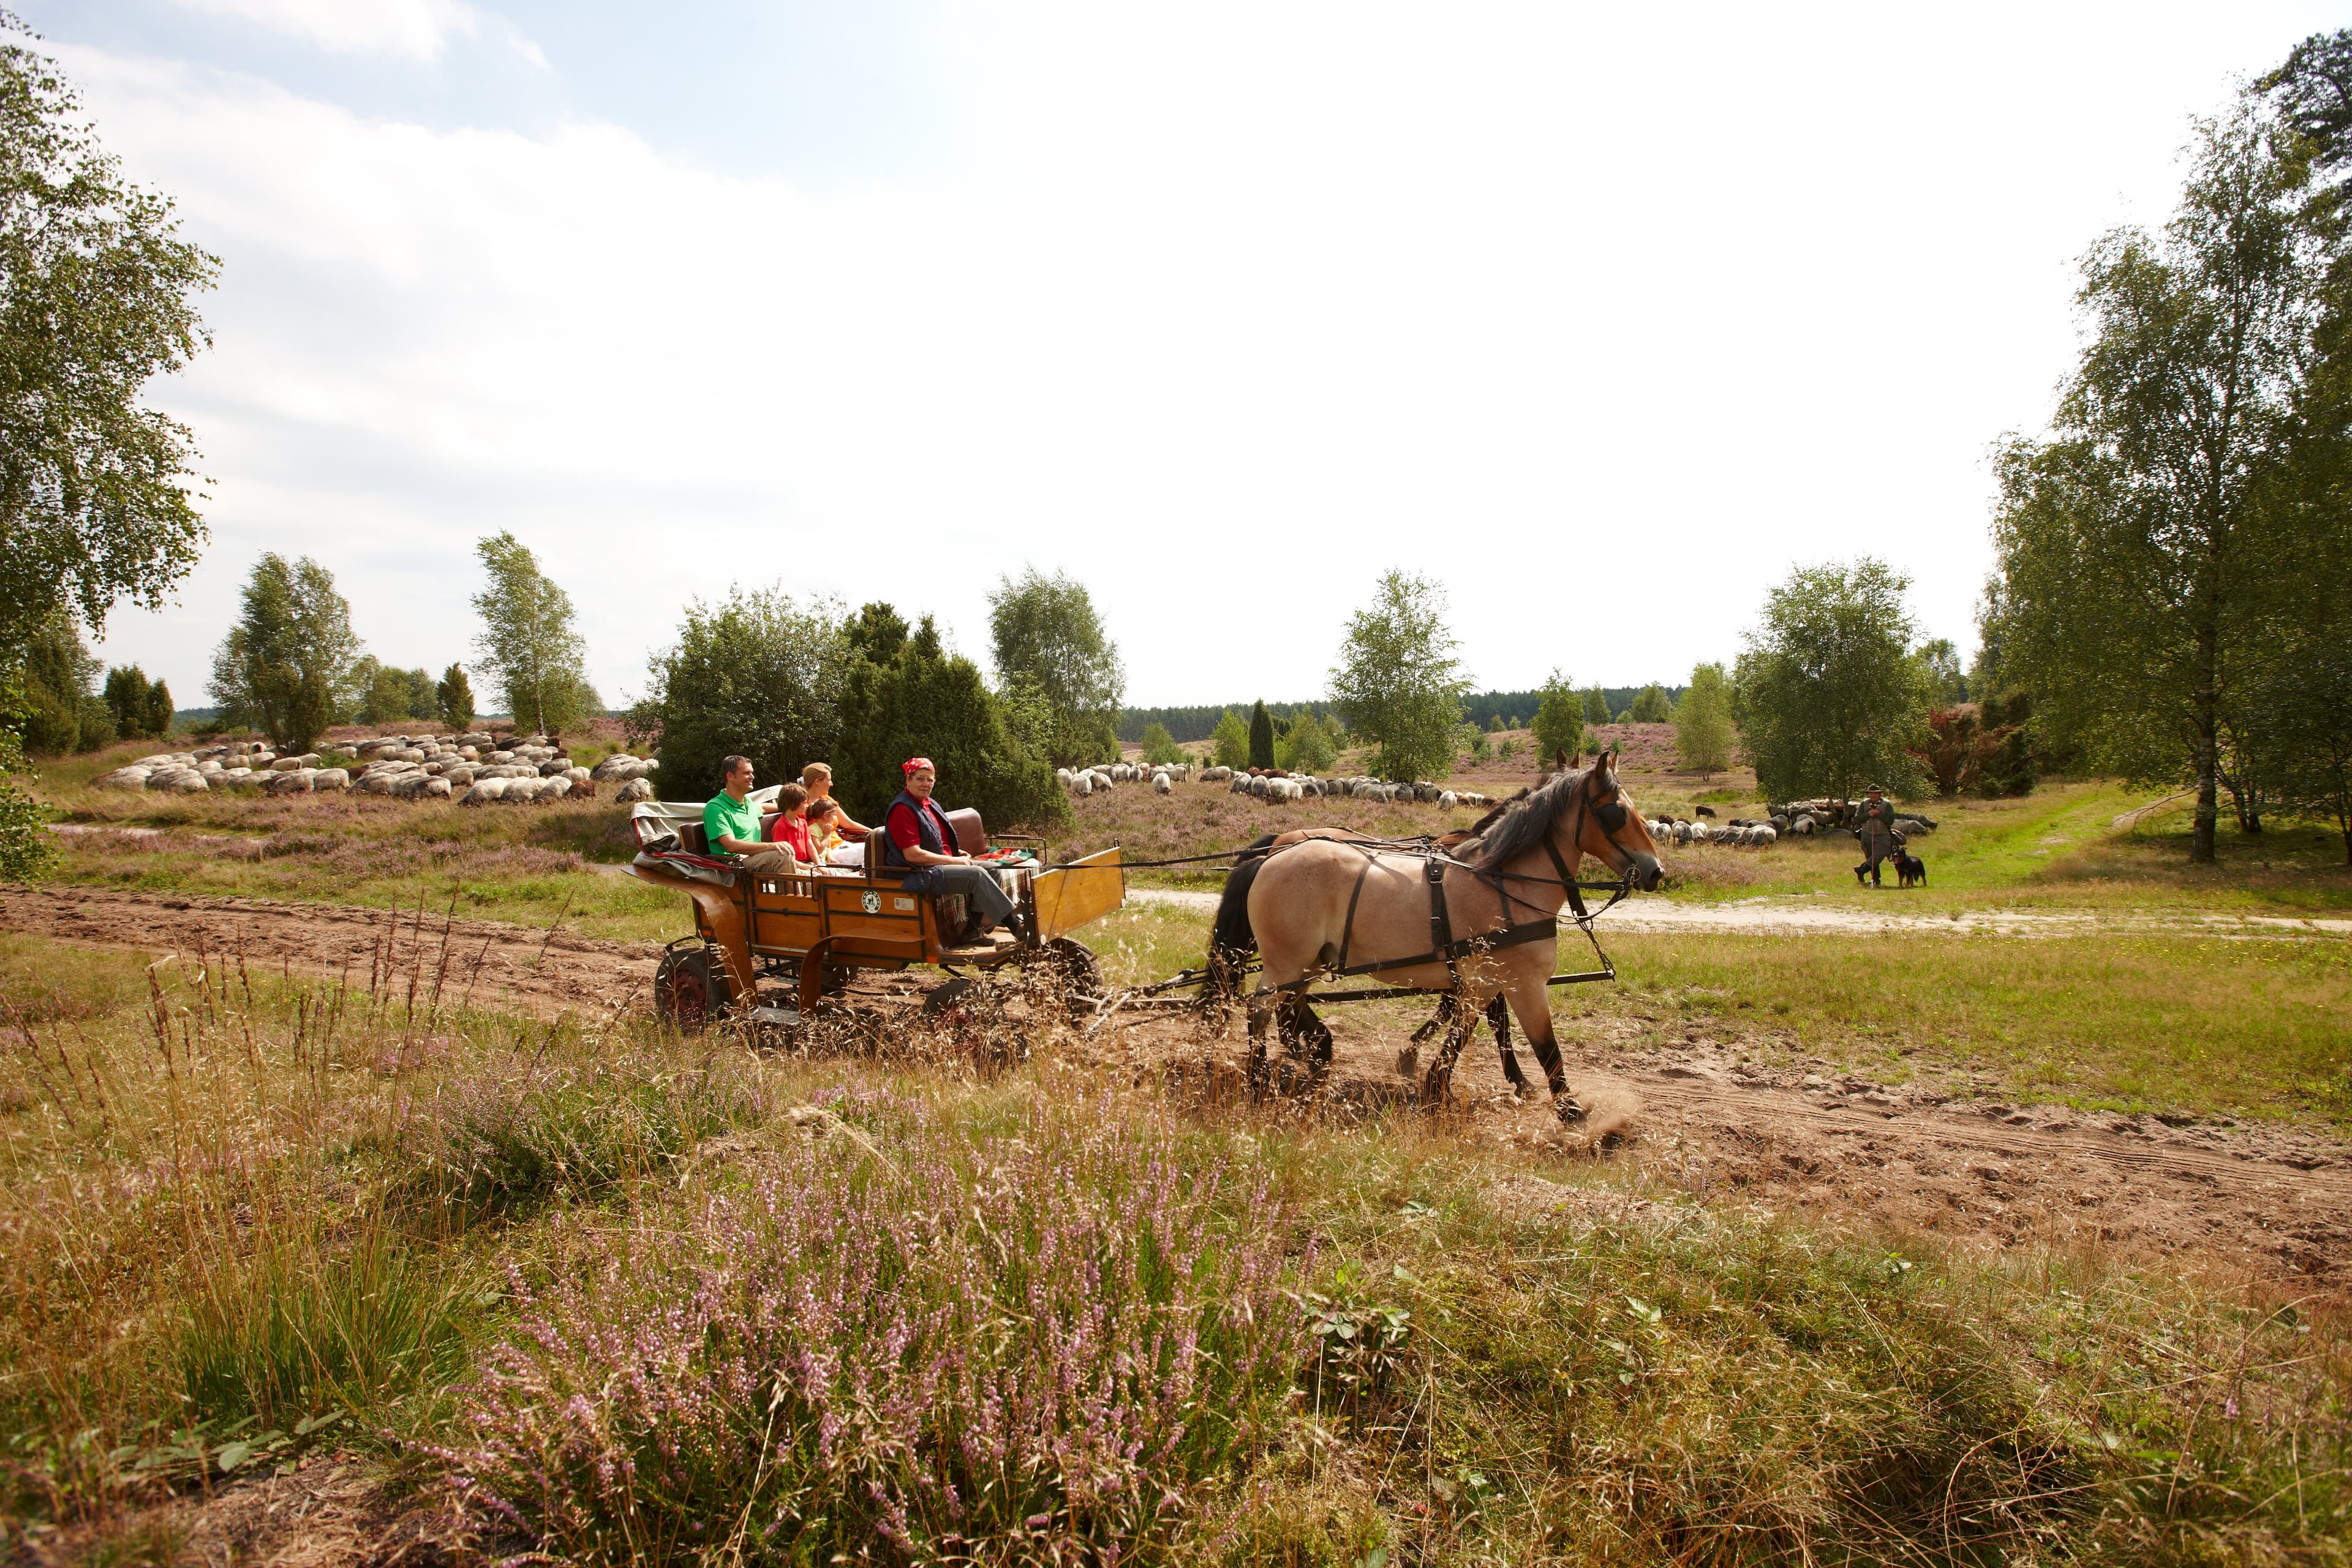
column 407, row 29
column 1224, row 311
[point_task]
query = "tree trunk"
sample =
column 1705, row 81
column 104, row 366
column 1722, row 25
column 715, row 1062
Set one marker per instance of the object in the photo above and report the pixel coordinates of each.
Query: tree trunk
column 2208, row 752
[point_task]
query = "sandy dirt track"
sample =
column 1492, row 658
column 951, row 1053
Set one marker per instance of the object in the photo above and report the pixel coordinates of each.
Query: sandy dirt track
column 491, row 961
column 2274, row 1201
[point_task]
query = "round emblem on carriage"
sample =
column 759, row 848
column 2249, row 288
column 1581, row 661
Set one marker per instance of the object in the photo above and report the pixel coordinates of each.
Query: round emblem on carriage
column 870, row 902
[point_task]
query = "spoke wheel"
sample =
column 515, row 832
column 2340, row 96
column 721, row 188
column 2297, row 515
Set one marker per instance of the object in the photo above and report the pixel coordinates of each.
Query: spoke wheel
column 1067, row 969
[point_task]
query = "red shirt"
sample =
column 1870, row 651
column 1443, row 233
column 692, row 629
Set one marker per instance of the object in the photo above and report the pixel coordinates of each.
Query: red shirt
column 793, row 833
column 907, row 835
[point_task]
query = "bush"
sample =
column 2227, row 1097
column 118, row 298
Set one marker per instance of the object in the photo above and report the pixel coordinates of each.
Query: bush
column 28, row 848
column 453, row 698
column 1232, row 741
column 905, row 695
column 758, row 675
column 1159, row 746
column 1043, row 1347
column 1307, row 746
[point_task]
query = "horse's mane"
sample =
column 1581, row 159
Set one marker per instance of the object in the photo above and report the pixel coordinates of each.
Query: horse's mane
column 1520, row 823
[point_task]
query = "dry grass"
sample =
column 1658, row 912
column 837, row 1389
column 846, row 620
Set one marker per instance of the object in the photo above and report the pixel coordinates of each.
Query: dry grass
column 244, row 1221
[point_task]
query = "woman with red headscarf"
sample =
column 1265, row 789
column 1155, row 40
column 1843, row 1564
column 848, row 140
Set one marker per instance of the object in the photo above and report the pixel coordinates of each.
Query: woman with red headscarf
column 917, row 835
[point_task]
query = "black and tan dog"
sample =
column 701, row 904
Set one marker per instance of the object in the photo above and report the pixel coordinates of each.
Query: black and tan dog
column 1910, row 871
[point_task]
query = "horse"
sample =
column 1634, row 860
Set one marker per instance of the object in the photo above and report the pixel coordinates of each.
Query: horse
column 1325, row 903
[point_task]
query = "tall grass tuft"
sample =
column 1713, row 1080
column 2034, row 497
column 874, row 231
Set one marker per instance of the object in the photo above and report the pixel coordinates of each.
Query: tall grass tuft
column 295, row 1328
column 1032, row 1349
column 504, row 1139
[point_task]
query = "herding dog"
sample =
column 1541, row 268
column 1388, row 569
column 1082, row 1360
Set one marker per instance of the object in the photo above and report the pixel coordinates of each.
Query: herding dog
column 1910, row 871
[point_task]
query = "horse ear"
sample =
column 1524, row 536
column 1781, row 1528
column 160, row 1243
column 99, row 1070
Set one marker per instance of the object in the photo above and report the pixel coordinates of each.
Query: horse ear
column 1560, row 760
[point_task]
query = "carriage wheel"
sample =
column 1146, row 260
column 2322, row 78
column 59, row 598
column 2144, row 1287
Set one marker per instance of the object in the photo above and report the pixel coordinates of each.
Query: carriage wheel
column 683, row 988
column 1071, row 969
column 971, row 1012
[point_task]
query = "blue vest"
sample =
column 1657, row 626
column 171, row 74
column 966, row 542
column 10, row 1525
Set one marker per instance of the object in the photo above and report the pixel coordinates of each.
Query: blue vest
column 931, row 826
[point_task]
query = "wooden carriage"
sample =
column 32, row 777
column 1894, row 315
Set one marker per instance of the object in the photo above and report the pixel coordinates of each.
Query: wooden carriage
column 811, row 932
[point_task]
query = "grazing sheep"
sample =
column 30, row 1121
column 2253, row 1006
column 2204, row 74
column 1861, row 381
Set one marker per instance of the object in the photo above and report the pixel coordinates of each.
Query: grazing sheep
column 1082, row 785
column 1160, row 785
column 328, row 780
column 1763, row 833
column 633, row 791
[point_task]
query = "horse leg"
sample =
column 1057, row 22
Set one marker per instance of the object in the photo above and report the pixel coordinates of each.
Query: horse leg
column 1314, row 1035
column 1434, row 1087
column 1530, row 1001
column 1262, row 1005
column 1498, row 1018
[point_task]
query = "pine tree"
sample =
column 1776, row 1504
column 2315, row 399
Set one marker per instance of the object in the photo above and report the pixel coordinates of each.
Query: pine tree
column 453, row 698
column 1261, row 737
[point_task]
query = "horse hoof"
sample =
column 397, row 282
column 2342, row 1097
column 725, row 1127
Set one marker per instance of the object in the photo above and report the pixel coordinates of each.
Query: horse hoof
column 1571, row 1112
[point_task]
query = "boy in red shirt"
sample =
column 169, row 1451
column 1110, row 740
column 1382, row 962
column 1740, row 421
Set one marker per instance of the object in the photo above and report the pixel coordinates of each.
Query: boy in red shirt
column 791, row 828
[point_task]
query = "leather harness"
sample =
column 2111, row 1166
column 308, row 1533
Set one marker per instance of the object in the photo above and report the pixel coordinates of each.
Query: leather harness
column 1443, row 946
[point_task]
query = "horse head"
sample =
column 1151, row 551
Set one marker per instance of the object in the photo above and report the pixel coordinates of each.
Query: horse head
column 1609, row 829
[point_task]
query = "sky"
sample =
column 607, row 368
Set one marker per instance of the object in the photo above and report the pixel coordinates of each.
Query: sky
column 1602, row 318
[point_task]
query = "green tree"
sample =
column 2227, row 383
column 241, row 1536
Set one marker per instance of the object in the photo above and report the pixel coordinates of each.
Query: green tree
column 1398, row 682
column 1305, row 745
column 28, row 850
column 1159, row 747
column 1703, row 722
column 1261, row 737
column 1559, row 719
column 130, row 699
column 530, row 642
column 285, row 669
column 453, row 698
column 1596, row 706
column 388, row 695
column 759, row 675
column 1651, row 707
column 55, row 679
column 1826, row 694
column 2138, row 551
column 1232, row 740
column 918, row 699
column 1046, row 635
column 1941, row 661
column 97, row 301
column 160, row 712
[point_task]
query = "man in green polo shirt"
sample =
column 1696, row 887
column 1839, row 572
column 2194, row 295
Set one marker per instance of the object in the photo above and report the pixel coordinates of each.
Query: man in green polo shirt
column 732, row 825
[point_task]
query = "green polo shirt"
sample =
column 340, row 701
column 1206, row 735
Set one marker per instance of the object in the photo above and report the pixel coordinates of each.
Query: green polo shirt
column 736, row 819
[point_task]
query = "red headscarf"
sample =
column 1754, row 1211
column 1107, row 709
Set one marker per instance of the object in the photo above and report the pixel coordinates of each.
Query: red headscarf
column 911, row 764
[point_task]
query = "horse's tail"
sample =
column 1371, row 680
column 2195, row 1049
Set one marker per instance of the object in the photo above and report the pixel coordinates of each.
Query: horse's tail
column 1231, row 940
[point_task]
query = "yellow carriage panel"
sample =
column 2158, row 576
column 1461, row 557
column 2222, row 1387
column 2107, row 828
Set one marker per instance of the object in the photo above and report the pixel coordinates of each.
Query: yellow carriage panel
column 1070, row 895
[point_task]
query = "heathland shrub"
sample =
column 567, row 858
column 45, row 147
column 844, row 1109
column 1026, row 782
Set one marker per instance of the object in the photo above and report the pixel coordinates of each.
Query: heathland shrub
column 1035, row 1349
column 501, row 1141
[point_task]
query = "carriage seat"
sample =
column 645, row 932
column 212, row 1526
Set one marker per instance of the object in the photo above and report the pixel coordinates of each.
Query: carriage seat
column 971, row 839
column 692, row 838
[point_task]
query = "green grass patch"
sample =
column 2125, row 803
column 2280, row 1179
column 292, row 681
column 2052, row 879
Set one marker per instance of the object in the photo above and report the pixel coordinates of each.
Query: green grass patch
column 2208, row 1026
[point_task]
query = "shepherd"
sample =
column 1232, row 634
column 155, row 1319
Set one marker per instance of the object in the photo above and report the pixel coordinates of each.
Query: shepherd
column 1877, row 834
column 1475, row 924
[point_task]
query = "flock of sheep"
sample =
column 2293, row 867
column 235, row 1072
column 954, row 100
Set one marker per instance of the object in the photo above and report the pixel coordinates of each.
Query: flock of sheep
column 472, row 769
column 1273, row 786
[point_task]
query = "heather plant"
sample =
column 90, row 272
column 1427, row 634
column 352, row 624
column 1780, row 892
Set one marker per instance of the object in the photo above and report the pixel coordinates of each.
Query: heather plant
column 502, row 1139
column 1043, row 1348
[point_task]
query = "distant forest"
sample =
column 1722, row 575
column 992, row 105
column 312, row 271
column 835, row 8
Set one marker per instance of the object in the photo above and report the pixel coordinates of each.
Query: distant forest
column 1198, row 723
